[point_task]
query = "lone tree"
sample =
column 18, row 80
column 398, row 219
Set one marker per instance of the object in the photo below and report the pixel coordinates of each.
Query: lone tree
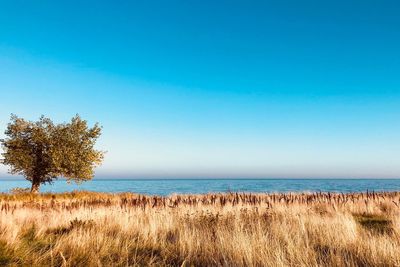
column 42, row 151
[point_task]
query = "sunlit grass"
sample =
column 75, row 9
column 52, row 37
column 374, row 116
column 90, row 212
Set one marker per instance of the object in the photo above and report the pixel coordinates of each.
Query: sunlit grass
column 99, row 229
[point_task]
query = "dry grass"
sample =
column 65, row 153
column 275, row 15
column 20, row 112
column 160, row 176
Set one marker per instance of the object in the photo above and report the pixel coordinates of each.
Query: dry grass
column 95, row 229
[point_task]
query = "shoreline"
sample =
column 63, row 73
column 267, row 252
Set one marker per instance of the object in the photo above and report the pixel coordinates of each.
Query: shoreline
column 324, row 194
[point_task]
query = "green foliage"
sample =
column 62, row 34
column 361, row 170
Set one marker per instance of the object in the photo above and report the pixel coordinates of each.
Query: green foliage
column 42, row 151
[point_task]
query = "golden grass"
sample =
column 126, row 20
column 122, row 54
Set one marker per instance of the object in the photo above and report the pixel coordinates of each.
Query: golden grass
column 98, row 229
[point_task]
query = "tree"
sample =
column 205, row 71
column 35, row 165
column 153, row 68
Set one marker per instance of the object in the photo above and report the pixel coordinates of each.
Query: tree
column 42, row 151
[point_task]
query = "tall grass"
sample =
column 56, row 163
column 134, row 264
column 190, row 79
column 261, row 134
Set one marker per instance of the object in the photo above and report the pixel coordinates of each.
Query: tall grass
column 236, row 229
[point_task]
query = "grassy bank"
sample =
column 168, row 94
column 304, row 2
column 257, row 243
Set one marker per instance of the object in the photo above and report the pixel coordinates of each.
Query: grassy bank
column 96, row 229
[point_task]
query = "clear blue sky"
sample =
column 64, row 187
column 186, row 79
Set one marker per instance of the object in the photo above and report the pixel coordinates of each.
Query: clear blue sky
column 213, row 88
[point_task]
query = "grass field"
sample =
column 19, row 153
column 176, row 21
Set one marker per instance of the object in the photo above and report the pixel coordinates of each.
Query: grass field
column 98, row 229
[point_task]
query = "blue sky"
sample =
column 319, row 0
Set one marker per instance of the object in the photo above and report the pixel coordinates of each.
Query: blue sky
column 205, row 89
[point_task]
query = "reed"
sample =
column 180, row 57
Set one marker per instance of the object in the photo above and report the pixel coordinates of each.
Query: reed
column 232, row 229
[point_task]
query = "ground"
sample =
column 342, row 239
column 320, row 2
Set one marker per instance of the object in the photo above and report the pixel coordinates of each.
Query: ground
column 235, row 229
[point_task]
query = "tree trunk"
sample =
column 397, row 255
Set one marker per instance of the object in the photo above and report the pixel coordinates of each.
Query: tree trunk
column 35, row 187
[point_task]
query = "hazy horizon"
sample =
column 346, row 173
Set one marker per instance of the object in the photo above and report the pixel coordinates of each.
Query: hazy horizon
column 21, row 179
column 213, row 90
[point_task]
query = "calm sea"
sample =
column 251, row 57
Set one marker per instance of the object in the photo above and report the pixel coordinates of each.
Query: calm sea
column 170, row 186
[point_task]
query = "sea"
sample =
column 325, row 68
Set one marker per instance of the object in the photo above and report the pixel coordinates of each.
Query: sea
column 164, row 187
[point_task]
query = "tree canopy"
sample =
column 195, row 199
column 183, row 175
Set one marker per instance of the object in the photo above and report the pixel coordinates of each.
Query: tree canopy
column 42, row 151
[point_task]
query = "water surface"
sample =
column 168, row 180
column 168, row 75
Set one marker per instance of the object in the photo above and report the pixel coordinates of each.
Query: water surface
column 170, row 186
